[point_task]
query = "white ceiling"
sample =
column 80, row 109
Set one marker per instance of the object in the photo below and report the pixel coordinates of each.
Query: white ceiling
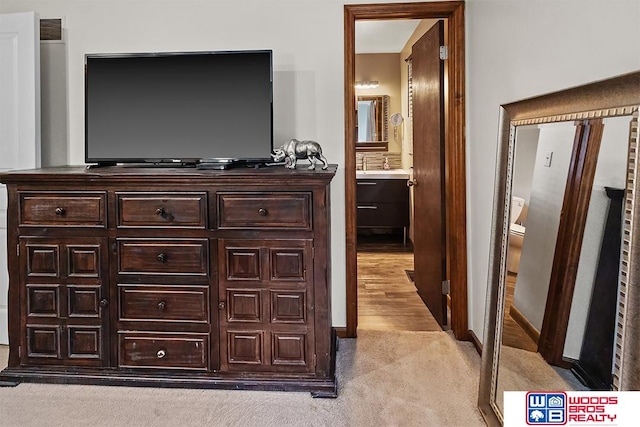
column 384, row 36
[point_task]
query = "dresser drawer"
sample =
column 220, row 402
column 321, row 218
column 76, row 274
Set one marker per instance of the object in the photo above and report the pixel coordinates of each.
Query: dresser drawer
column 163, row 351
column 381, row 190
column 264, row 210
column 63, row 209
column 189, row 257
column 186, row 210
column 164, row 303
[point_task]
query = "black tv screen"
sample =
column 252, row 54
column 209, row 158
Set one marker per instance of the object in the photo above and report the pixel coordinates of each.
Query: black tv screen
column 157, row 107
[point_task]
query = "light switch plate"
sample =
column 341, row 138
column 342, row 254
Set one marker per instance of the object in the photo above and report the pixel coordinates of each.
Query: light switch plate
column 547, row 158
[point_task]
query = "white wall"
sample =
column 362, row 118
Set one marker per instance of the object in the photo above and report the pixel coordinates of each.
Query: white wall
column 53, row 100
column 525, row 160
column 306, row 37
column 515, row 49
column 545, row 204
column 610, row 172
column 519, row 49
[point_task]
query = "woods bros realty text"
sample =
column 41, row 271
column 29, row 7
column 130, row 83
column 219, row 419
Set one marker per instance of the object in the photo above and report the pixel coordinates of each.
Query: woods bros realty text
column 599, row 409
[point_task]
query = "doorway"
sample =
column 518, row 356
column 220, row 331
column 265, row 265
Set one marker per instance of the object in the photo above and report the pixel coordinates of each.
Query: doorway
column 453, row 173
column 389, row 296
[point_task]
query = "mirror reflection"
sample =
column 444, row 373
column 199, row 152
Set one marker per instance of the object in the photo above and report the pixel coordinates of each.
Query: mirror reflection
column 541, row 350
column 372, row 119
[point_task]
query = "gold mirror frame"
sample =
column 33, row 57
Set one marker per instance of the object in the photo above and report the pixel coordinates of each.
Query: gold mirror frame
column 618, row 96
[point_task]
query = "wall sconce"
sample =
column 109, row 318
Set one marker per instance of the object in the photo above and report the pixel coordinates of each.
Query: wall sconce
column 367, row 84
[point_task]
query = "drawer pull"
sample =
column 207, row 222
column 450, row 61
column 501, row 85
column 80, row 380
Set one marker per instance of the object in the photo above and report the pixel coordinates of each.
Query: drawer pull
column 104, row 302
column 60, row 211
column 365, row 183
column 263, row 212
column 160, row 212
column 162, row 257
column 222, row 305
column 367, row 207
column 162, row 305
column 161, row 353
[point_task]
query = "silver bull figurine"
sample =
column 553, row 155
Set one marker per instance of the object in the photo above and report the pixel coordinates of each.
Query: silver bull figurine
column 294, row 150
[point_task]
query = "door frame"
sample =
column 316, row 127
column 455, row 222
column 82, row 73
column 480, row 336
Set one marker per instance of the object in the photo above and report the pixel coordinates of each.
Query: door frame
column 455, row 176
column 21, row 30
column 571, row 229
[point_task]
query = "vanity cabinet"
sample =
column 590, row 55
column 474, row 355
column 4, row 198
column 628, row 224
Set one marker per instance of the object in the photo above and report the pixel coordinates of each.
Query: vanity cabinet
column 171, row 277
column 382, row 203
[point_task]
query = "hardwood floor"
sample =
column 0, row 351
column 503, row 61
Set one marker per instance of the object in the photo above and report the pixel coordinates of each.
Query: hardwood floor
column 512, row 334
column 387, row 299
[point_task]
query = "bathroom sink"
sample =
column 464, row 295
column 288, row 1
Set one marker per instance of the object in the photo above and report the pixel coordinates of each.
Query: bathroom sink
column 383, row 174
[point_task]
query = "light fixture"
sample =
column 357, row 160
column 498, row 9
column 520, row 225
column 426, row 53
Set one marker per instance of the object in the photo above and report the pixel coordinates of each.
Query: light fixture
column 367, row 84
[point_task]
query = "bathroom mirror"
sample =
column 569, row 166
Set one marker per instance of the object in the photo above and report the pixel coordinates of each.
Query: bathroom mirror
column 372, row 122
column 564, row 233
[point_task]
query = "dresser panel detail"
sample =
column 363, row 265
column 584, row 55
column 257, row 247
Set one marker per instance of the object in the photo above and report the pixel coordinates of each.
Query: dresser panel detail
column 66, row 301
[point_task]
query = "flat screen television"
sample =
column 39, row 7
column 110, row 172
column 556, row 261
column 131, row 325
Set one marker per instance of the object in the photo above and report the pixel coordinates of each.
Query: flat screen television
column 178, row 107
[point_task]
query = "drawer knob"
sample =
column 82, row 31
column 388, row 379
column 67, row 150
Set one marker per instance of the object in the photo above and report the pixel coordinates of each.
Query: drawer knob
column 263, row 212
column 222, row 305
column 160, row 212
column 60, row 211
column 104, row 302
column 161, row 353
column 162, row 305
column 162, row 257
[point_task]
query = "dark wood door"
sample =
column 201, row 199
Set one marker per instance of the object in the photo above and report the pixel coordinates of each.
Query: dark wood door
column 428, row 170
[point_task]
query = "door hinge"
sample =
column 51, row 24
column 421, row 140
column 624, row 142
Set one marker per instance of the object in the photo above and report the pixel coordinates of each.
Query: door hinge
column 18, row 249
column 19, row 351
column 314, row 361
column 446, row 287
column 313, row 252
column 444, row 52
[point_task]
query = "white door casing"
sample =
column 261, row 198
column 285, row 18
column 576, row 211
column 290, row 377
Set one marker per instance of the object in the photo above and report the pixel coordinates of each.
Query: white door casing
column 19, row 119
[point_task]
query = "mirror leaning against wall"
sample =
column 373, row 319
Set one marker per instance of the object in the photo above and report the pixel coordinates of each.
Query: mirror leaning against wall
column 564, row 268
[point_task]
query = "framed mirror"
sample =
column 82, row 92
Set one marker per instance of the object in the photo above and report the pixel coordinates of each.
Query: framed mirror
column 372, row 122
column 563, row 295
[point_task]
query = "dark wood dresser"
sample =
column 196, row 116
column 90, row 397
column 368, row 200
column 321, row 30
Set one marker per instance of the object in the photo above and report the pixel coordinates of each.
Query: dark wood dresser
column 171, row 277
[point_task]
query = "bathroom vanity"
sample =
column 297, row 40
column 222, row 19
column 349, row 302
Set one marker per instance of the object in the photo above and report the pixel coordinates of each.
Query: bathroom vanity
column 382, row 198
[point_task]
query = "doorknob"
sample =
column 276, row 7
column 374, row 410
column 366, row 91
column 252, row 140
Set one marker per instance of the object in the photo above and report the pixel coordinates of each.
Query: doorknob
column 412, row 182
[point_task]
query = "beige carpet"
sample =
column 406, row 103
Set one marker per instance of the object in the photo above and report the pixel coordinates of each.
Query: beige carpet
column 522, row 370
column 385, row 379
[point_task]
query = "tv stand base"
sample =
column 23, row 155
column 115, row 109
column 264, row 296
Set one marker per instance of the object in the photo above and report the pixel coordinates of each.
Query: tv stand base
column 101, row 165
column 216, row 165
